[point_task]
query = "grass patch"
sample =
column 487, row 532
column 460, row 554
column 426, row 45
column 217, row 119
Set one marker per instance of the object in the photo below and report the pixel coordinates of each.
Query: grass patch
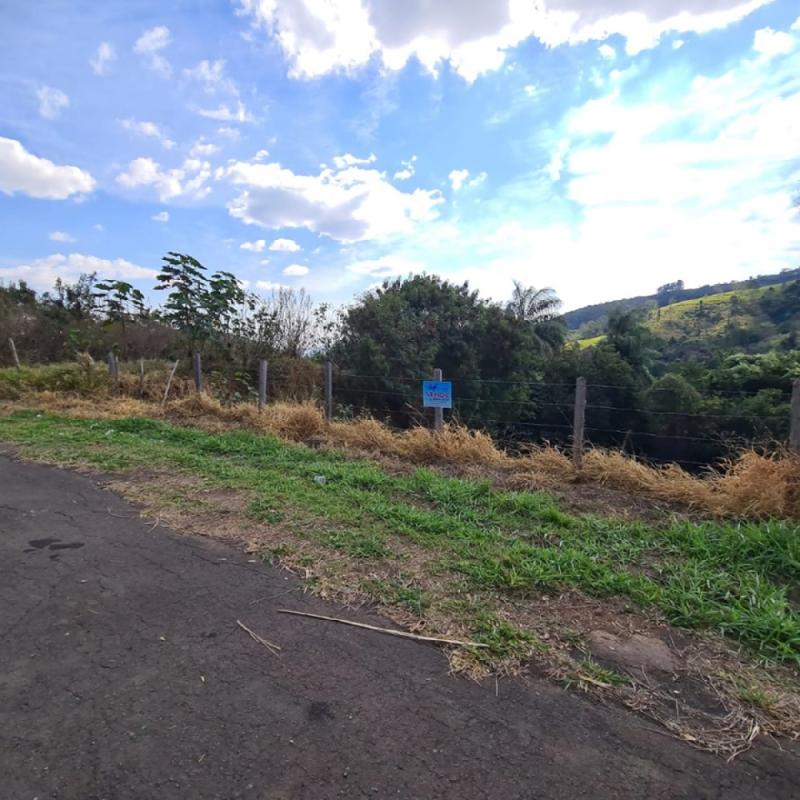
column 731, row 578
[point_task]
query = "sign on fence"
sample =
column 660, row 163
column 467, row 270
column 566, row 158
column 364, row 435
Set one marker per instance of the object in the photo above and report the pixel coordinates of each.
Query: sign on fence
column 437, row 394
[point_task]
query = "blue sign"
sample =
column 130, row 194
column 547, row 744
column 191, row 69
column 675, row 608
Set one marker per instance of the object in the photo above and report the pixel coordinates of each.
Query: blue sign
column 437, row 394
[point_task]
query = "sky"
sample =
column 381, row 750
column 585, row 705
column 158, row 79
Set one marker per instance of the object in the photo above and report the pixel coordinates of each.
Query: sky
column 598, row 147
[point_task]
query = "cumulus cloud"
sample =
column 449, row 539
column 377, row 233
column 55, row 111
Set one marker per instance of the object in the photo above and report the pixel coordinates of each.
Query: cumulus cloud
column 150, row 44
column 768, row 42
column 229, row 133
column 285, row 246
column 43, row 272
column 203, row 149
column 51, row 101
column 186, row 181
column 471, row 35
column 61, row 236
column 162, row 216
column 224, row 113
column 607, row 52
column 386, row 267
column 270, row 286
column 407, row 170
column 295, row 270
column 103, row 58
column 457, row 178
column 149, row 129
column 347, row 203
column 21, row 171
column 254, row 247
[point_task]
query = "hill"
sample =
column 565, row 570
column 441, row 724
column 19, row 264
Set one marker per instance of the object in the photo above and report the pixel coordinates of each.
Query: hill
column 594, row 316
column 753, row 319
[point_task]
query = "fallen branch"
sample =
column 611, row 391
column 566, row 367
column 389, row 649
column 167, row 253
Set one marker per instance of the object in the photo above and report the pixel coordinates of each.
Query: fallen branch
column 169, row 383
column 390, row 631
column 273, row 648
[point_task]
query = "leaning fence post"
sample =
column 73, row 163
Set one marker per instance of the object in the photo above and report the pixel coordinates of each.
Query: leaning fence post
column 328, row 391
column 579, row 421
column 794, row 428
column 198, row 372
column 14, row 352
column 438, row 413
column 262, row 383
column 169, row 383
column 113, row 369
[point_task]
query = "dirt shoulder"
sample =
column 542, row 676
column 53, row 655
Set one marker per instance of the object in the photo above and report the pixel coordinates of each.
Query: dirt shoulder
column 125, row 675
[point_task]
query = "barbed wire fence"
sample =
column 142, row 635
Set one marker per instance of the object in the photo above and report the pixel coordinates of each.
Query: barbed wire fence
column 521, row 413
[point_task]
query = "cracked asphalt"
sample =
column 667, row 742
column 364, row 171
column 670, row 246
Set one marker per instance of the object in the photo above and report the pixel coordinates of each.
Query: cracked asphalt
column 123, row 674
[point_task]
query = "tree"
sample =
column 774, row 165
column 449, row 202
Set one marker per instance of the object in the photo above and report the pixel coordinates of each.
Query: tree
column 540, row 308
column 630, row 337
column 199, row 307
column 121, row 303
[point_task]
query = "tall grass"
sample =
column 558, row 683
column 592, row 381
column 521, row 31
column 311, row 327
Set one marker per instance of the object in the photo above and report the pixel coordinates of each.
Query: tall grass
column 759, row 485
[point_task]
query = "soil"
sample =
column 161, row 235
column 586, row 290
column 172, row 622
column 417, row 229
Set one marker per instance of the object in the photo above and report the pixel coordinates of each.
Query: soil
column 123, row 674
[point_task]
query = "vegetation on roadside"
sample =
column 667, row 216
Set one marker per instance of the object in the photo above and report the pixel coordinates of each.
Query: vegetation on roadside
column 732, row 578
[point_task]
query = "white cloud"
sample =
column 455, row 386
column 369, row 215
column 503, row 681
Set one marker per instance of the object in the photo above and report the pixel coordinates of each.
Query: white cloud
column 295, row 270
column 98, row 227
column 224, row 113
column 270, row 286
column 229, row 133
column 556, row 163
column 149, row 129
column 407, row 171
column 349, row 204
column 477, row 180
column 150, row 44
column 285, row 246
column 386, row 267
column 187, row 181
column 254, row 247
column 211, row 75
column 768, row 42
column 349, row 160
column 162, row 216
column 51, row 101
column 261, row 155
column 473, row 36
column 103, row 58
column 21, row 171
column 61, row 236
column 530, row 89
column 607, row 52
column 264, row 261
column 203, row 149
column 677, row 44
column 457, row 178
column 43, row 272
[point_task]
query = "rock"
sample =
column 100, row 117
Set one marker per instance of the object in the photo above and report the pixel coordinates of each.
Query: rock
column 635, row 651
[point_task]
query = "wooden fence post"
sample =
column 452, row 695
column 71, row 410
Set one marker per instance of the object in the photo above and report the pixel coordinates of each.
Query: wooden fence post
column 113, row 368
column 438, row 413
column 328, row 391
column 14, row 352
column 169, row 383
column 262, row 383
column 794, row 428
column 198, row 372
column 579, row 421
column 141, row 378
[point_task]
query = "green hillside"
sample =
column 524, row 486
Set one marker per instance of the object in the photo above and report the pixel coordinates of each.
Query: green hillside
column 745, row 319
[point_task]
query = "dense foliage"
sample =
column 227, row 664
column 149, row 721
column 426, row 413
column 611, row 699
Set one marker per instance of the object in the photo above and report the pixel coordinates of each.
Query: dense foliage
column 680, row 382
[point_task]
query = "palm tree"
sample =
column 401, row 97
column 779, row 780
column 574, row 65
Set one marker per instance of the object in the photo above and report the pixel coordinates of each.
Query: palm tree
column 540, row 308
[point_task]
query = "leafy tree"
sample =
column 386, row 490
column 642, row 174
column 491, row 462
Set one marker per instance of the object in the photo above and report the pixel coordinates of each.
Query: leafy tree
column 121, row 303
column 540, row 309
column 632, row 339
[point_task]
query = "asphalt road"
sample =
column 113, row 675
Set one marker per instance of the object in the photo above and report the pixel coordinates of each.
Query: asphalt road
column 123, row 674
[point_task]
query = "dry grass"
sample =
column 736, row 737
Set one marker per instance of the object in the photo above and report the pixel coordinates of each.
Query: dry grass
column 751, row 485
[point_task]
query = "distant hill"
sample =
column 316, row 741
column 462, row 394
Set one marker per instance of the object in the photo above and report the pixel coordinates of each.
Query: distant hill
column 751, row 318
column 669, row 295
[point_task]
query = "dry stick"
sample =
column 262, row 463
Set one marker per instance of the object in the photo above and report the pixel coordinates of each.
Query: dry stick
column 169, row 383
column 390, row 631
column 14, row 352
column 273, row 648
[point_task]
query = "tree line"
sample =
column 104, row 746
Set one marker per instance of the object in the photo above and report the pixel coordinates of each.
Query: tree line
column 512, row 364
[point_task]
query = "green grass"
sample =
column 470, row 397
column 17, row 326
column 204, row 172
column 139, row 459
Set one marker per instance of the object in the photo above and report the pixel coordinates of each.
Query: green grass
column 731, row 578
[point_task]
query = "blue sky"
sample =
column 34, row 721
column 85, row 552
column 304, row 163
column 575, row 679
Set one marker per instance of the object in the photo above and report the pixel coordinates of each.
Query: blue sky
column 601, row 147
